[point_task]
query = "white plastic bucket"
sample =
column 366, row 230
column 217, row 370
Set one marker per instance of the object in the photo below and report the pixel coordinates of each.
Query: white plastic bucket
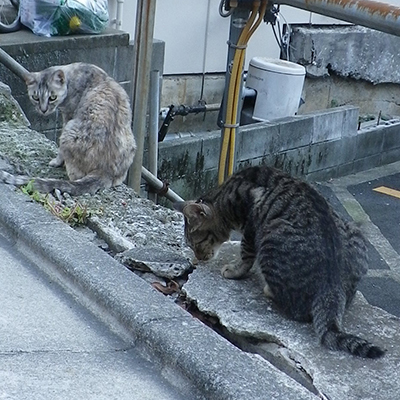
column 278, row 84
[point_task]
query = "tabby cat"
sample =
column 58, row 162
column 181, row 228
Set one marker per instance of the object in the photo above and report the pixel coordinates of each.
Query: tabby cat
column 96, row 144
column 311, row 259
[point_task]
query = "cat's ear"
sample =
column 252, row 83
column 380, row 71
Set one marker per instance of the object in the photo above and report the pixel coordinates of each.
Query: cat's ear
column 196, row 213
column 59, row 77
column 30, row 79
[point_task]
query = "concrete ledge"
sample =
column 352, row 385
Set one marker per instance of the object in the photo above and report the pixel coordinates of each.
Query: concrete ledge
column 348, row 51
column 193, row 357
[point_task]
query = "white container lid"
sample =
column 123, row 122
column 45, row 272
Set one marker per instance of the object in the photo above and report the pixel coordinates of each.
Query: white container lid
column 277, row 65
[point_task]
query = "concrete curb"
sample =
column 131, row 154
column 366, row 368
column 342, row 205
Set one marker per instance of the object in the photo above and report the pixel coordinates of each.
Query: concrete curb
column 190, row 355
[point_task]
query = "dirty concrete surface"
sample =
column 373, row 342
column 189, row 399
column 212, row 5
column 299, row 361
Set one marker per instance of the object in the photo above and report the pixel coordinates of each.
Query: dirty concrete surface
column 138, row 232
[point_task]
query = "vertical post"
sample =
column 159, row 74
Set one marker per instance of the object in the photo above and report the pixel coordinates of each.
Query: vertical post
column 238, row 20
column 143, row 46
column 154, row 111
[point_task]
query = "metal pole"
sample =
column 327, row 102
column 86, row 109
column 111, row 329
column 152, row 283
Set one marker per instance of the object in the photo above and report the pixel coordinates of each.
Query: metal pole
column 12, row 65
column 143, row 45
column 371, row 14
column 157, row 184
column 154, row 113
column 238, row 20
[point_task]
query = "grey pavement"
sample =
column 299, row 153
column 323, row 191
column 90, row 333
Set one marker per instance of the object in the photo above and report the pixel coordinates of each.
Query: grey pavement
column 51, row 347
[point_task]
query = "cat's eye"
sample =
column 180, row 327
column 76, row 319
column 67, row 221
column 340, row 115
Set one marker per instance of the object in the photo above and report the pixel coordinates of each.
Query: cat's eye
column 35, row 97
column 53, row 97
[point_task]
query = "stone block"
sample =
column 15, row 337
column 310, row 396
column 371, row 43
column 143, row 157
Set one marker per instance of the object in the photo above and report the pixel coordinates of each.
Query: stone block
column 211, row 144
column 123, row 66
column 294, row 132
column 328, row 125
column 157, row 59
column 369, row 142
column 330, row 154
column 390, row 156
column 257, row 140
column 347, row 51
column 345, row 169
column 362, row 164
column 335, row 123
column 350, row 121
column 282, row 144
column 295, row 162
column 391, row 137
column 177, row 158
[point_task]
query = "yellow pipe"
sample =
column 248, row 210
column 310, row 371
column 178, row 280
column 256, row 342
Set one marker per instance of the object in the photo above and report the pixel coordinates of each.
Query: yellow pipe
column 234, row 90
column 231, row 160
column 231, row 93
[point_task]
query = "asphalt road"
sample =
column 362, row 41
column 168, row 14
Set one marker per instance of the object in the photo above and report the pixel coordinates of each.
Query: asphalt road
column 373, row 199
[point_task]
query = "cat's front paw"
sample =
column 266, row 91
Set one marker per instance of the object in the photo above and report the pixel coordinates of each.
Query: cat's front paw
column 231, row 272
column 56, row 162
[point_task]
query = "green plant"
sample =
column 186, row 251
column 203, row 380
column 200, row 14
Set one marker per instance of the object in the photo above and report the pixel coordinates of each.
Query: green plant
column 77, row 214
column 334, row 103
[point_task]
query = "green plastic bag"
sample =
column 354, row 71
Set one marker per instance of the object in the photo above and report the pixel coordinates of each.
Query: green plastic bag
column 64, row 17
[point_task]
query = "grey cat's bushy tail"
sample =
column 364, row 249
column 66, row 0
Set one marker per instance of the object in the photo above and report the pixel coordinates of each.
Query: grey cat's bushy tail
column 87, row 184
column 328, row 309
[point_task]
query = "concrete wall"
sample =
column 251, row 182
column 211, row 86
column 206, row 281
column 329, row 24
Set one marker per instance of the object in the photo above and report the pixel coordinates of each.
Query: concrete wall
column 347, row 51
column 348, row 65
column 315, row 146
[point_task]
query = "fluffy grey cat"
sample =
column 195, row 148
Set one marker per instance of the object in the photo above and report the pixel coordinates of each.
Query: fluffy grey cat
column 311, row 259
column 96, row 144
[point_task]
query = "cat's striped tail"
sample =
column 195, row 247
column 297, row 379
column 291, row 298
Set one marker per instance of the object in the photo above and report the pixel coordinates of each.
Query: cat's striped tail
column 87, row 184
column 328, row 309
column 334, row 339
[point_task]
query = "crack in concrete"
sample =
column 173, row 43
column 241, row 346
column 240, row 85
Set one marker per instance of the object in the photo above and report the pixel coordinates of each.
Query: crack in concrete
column 267, row 346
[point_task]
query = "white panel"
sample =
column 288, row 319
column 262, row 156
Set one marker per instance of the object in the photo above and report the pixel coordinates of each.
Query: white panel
column 217, row 36
column 129, row 17
column 181, row 25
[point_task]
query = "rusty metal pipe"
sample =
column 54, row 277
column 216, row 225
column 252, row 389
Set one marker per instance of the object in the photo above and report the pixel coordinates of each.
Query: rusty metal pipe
column 371, row 14
column 12, row 65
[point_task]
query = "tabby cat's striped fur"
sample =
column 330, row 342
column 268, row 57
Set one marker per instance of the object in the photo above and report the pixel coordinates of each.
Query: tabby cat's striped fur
column 311, row 259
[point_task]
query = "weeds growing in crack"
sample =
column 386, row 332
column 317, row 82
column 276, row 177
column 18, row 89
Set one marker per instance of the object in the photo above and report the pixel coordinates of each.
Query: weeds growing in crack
column 76, row 214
